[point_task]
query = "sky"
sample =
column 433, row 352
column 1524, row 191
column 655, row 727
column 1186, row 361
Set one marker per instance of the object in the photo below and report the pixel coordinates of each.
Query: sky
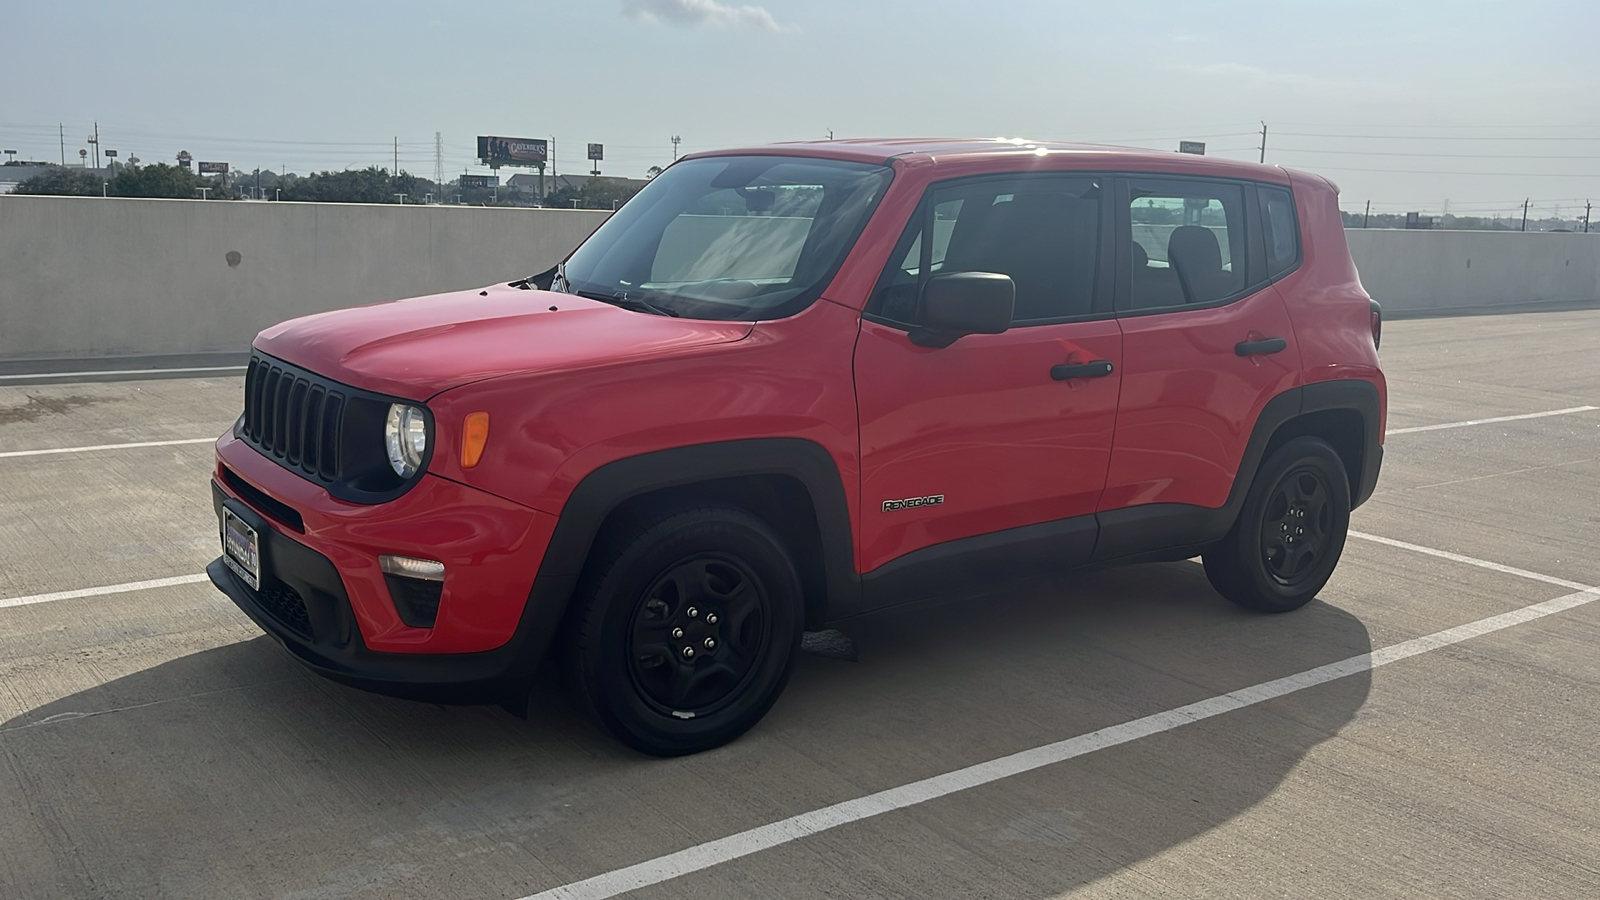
column 1411, row 104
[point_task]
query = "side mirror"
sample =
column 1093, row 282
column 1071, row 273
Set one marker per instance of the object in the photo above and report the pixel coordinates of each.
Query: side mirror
column 962, row 303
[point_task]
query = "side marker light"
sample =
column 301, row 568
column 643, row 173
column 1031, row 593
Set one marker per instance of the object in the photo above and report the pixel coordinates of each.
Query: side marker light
column 474, row 436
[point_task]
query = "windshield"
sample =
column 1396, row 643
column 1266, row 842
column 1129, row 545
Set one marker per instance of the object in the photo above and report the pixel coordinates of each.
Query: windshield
column 740, row 237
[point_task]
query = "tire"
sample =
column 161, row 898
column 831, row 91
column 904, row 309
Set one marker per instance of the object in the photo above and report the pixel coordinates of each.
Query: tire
column 1286, row 542
column 686, row 628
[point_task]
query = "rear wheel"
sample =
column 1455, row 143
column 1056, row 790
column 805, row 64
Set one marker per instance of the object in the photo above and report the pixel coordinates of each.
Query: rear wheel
column 1290, row 533
column 686, row 630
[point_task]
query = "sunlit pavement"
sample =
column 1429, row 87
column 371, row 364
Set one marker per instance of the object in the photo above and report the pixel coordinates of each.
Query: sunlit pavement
column 154, row 744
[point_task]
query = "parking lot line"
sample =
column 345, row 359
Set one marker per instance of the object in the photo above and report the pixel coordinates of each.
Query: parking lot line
column 12, row 454
column 35, row 376
column 124, row 588
column 1470, row 560
column 1537, row 415
column 754, row 840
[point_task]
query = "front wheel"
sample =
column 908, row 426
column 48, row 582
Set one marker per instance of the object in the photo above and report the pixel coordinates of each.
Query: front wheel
column 687, row 628
column 1290, row 533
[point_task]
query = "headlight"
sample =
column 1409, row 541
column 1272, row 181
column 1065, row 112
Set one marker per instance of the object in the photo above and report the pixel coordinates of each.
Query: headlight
column 405, row 434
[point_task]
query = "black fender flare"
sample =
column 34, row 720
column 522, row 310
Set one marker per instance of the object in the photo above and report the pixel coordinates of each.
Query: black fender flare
column 1177, row 531
column 608, row 487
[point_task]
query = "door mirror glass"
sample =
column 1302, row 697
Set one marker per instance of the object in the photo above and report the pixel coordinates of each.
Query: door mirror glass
column 962, row 303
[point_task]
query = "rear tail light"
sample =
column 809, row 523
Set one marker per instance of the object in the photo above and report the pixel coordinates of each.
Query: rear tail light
column 1377, row 323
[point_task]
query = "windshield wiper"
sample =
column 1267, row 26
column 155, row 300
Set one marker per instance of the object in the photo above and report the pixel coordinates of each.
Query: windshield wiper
column 622, row 299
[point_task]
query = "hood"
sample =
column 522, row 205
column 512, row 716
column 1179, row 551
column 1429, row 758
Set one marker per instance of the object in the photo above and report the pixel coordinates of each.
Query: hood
column 419, row 347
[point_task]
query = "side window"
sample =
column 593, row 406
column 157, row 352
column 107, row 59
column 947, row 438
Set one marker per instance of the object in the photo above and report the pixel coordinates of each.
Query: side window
column 1044, row 232
column 1186, row 242
column 1283, row 232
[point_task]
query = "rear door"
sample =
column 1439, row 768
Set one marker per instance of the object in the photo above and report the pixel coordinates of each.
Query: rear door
column 1207, row 343
column 990, row 433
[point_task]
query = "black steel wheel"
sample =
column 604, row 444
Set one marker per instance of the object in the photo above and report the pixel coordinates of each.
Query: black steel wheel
column 698, row 632
column 1287, row 540
column 684, row 629
column 1297, row 527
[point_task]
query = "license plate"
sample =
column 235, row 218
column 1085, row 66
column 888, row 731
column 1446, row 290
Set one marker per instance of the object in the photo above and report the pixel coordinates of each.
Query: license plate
column 240, row 549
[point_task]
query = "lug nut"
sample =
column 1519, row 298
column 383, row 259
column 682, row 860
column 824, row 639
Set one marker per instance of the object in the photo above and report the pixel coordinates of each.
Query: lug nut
column 711, row 643
column 677, row 632
column 688, row 653
column 711, row 618
column 693, row 612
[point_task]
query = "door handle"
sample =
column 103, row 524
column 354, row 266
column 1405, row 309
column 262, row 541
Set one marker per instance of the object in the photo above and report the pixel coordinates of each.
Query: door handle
column 1256, row 348
column 1100, row 368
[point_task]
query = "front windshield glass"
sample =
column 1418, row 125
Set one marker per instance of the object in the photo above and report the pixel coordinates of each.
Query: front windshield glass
column 734, row 237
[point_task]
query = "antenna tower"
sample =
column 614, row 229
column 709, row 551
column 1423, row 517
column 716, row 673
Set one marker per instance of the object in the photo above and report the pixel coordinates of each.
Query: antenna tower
column 438, row 162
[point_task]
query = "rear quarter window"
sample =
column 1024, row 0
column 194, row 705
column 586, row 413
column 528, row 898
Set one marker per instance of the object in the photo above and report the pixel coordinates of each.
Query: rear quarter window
column 1283, row 232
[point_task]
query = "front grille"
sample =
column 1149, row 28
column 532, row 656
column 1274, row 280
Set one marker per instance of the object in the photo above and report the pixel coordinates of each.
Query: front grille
column 295, row 417
column 283, row 604
column 326, row 432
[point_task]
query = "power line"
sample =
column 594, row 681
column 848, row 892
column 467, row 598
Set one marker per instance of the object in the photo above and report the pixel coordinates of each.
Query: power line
column 1430, row 137
column 1439, row 172
column 1427, row 155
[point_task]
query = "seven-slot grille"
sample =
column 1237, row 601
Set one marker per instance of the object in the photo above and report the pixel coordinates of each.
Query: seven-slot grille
column 294, row 416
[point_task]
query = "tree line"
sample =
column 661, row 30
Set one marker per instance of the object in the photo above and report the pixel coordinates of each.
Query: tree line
column 370, row 185
column 160, row 180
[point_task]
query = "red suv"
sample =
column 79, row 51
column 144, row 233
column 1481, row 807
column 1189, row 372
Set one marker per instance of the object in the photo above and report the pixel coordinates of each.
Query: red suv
column 788, row 385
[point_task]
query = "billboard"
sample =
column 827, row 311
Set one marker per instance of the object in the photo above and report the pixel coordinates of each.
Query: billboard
column 213, row 168
column 504, row 151
column 1196, row 147
column 597, row 151
column 479, row 182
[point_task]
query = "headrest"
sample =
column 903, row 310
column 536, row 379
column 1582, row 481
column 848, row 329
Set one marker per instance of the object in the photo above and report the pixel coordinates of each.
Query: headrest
column 1194, row 249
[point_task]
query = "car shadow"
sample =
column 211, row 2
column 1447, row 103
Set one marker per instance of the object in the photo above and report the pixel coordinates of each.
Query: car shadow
column 233, row 771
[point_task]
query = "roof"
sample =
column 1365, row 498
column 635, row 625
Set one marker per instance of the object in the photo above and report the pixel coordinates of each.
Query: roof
column 881, row 150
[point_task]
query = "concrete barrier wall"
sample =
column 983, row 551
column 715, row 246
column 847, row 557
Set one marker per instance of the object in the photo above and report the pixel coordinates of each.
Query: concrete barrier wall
column 1462, row 271
column 90, row 277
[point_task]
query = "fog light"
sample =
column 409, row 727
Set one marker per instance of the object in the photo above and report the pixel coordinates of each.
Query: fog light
column 415, row 586
column 425, row 569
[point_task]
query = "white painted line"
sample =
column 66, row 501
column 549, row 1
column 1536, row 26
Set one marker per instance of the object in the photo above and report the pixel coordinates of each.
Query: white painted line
column 103, row 590
column 1470, row 560
column 38, row 375
column 1537, row 415
column 712, row 853
column 12, row 454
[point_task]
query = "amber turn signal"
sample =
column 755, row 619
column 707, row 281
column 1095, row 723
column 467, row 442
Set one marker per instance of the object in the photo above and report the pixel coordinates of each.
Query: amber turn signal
column 474, row 435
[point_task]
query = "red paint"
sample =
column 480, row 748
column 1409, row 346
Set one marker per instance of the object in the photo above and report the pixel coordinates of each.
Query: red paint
column 981, row 422
column 484, row 541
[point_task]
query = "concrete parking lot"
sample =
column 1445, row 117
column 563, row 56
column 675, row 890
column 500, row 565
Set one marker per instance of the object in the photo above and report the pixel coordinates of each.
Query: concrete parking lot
column 1425, row 728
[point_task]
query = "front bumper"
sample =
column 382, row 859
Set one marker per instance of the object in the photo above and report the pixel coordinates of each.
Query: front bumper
column 323, row 597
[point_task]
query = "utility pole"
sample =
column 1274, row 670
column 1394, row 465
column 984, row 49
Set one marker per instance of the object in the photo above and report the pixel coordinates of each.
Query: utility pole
column 396, row 170
column 1366, row 215
column 1263, row 142
column 675, row 140
column 1586, row 207
column 1524, row 214
column 61, row 132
